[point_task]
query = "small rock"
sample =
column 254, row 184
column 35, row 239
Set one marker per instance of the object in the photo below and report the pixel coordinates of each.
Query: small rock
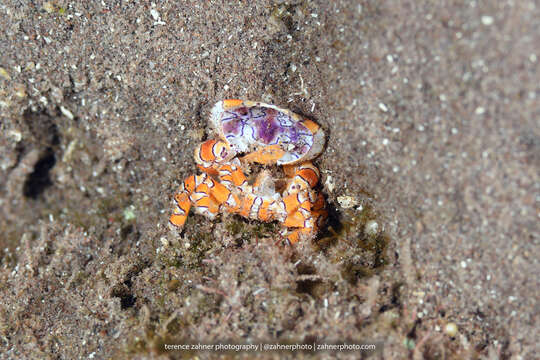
column 329, row 183
column 164, row 241
column 487, row 20
column 4, row 74
column 451, row 329
column 129, row 213
column 372, row 228
column 20, row 91
column 155, row 14
column 67, row 113
column 48, row 6
column 346, row 201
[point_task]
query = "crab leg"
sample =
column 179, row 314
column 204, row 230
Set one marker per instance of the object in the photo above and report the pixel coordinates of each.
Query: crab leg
column 313, row 219
column 180, row 211
column 203, row 201
column 183, row 202
column 301, row 177
column 319, row 213
column 304, row 207
column 259, row 201
column 293, row 236
column 299, row 216
column 211, row 154
column 211, row 157
column 205, row 195
column 232, row 176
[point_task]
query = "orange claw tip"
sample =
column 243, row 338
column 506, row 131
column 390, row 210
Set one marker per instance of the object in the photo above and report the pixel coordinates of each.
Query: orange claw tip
column 300, row 234
column 294, row 220
column 189, row 184
column 182, row 204
column 238, row 177
column 206, row 152
column 220, row 192
column 293, row 238
column 178, row 220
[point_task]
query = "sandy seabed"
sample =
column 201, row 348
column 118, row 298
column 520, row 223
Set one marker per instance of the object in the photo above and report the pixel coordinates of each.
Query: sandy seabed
column 431, row 110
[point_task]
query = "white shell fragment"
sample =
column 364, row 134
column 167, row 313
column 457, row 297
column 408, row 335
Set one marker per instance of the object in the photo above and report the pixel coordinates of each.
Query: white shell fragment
column 346, row 201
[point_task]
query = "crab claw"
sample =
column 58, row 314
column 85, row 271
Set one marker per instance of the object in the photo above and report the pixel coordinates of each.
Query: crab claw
column 213, row 152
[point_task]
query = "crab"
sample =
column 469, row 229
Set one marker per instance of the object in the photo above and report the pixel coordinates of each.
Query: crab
column 254, row 132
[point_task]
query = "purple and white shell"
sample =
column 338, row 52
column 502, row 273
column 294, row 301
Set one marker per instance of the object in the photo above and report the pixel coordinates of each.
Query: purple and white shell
column 248, row 126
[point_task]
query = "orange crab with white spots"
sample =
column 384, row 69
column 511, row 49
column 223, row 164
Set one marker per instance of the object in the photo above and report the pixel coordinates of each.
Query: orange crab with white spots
column 263, row 134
